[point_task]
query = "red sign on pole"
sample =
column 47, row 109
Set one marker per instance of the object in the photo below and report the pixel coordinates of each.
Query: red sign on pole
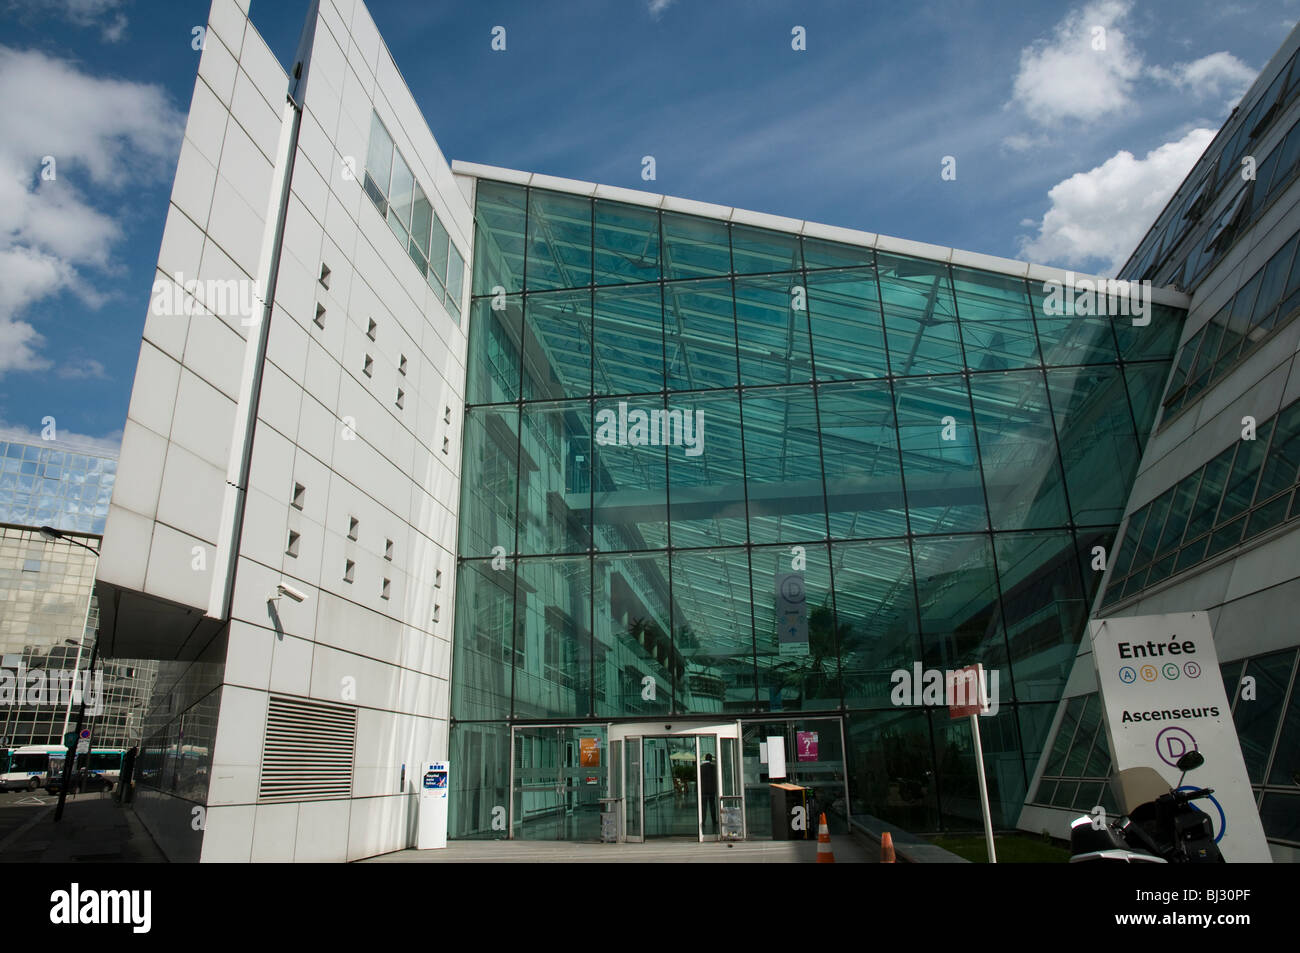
column 966, row 692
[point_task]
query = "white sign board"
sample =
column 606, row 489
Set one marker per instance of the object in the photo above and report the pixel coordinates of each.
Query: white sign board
column 1163, row 696
column 435, row 782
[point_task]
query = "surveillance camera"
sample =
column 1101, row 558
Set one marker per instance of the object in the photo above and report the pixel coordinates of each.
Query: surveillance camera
column 286, row 590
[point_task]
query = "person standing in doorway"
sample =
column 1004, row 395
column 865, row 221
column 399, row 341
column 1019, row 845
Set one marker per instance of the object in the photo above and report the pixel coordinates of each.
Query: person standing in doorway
column 709, row 790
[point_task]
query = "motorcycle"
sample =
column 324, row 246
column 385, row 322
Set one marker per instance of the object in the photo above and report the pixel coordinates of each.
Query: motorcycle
column 1159, row 827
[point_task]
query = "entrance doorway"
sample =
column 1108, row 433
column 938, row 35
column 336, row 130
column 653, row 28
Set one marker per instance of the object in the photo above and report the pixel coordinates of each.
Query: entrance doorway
column 677, row 782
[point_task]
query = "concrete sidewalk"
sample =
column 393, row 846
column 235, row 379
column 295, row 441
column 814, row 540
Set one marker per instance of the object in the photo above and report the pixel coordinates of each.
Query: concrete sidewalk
column 655, row 851
column 93, row 830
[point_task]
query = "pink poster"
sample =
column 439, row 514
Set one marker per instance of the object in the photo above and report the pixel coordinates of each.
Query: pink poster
column 806, row 743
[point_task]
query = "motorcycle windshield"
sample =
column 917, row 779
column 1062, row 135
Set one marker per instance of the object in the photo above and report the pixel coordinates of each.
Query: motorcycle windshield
column 1136, row 786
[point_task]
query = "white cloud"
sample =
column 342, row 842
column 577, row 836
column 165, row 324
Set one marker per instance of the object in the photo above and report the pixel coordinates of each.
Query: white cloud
column 105, row 14
column 1101, row 215
column 657, row 7
column 103, row 135
column 110, row 444
column 1217, row 75
column 1067, row 77
column 82, row 368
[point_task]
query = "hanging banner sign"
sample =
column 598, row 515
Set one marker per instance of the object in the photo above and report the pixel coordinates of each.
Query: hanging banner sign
column 791, row 614
column 1163, row 696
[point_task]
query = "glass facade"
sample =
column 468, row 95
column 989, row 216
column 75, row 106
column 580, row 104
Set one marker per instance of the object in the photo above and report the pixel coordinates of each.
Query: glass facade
column 1244, row 491
column 54, row 485
column 717, row 471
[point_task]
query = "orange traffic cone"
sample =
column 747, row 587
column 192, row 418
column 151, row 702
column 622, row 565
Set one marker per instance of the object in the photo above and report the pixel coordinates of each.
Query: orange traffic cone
column 824, row 853
column 887, row 848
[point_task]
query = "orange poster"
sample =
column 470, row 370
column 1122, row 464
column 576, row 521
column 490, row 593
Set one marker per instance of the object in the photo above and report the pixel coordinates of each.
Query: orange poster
column 589, row 752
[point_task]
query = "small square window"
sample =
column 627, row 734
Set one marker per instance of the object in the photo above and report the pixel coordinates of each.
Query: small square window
column 387, row 587
column 437, row 611
column 324, row 275
column 372, row 330
column 401, row 398
column 349, row 570
column 446, row 444
column 299, row 496
column 388, row 550
column 446, row 415
column 437, row 579
column 292, row 548
column 320, row 315
column 401, row 366
column 31, row 565
column 353, row 525
column 369, row 368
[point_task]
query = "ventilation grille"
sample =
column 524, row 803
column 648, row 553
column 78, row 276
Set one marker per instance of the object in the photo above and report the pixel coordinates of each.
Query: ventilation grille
column 308, row 751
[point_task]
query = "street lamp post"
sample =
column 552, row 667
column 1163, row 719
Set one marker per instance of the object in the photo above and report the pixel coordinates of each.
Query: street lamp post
column 71, row 759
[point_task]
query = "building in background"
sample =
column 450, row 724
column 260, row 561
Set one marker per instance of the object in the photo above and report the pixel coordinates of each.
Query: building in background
column 1212, row 523
column 49, row 618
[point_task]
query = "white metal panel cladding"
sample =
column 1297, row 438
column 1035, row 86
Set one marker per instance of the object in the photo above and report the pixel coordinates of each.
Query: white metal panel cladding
column 308, row 750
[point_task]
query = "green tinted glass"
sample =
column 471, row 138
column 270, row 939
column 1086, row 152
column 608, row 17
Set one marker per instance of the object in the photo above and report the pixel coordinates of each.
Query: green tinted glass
column 699, row 335
column 783, row 469
column 552, row 648
column 694, row 247
column 713, row 630
column 772, row 330
column 847, row 332
column 632, row 640
column 941, row 472
column 997, row 327
column 1098, row 449
column 630, row 472
column 876, row 617
column 626, row 243
column 500, row 215
column 794, row 631
column 555, row 478
column 757, row 251
column 859, row 444
column 559, row 240
column 629, row 340
column 1014, row 424
column 920, row 319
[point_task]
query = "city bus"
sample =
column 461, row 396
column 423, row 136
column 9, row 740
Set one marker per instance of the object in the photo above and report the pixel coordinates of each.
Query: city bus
column 101, row 767
column 30, row 767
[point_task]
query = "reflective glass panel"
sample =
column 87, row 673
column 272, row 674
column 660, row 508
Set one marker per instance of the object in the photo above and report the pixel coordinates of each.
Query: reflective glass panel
column 626, row 243
column 694, row 247
column 632, row 636
column 864, row 489
column 920, row 319
column 772, row 330
column 875, row 611
column 1017, row 444
column 699, row 335
column 847, row 333
column 713, row 631
column 553, row 638
column 559, row 240
column 941, row 472
column 555, row 478
column 783, row 465
column 997, row 327
column 629, row 350
column 1098, row 449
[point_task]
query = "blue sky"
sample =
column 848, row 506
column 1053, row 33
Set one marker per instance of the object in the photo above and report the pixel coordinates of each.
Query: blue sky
column 1064, row 153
